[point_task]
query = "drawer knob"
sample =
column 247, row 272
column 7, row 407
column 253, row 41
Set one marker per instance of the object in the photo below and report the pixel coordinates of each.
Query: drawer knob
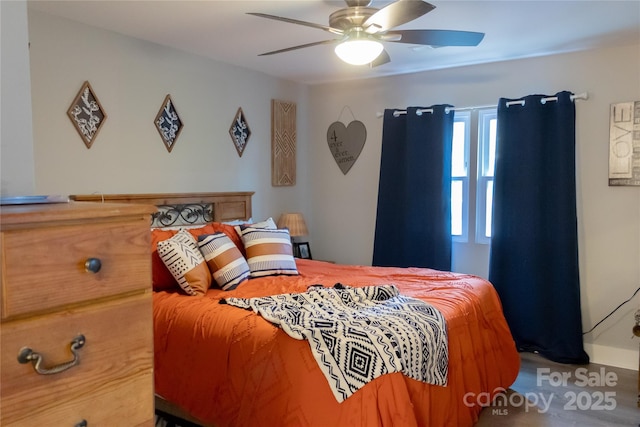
column 27, row 355
column 92, row 265
column 82, row 423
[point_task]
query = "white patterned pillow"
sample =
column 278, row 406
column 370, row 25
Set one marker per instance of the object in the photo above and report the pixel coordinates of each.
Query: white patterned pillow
column 182, row 257
column 225, row 261
column 268, row 252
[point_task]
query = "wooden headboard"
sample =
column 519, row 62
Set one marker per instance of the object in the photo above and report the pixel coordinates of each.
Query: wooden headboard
column 184, row 208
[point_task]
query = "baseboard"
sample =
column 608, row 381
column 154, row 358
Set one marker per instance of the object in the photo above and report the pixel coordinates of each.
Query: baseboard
column 612, row 356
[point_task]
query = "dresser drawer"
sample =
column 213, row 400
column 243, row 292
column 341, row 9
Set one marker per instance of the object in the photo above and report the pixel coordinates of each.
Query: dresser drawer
column 44, row 268
column 128, row 404
column 114, row 375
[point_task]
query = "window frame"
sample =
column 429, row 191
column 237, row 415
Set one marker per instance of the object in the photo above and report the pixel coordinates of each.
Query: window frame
column 464, row 117
column 484, row 177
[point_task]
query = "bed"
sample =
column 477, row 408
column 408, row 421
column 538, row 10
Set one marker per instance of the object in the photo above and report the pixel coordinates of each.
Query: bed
column 221, row 365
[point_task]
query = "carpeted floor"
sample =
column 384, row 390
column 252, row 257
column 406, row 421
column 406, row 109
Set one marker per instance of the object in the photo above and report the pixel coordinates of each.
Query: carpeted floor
column 549, row 394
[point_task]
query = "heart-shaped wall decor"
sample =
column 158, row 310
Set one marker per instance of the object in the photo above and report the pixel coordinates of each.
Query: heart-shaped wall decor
column 346, row 143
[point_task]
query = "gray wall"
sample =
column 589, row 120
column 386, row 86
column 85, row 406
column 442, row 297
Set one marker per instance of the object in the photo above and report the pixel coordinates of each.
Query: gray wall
column 131, row 78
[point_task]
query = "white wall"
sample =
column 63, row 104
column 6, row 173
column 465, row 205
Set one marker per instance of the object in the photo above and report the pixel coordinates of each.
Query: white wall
column 344, row 207
column 16, row 138
column 131, row 78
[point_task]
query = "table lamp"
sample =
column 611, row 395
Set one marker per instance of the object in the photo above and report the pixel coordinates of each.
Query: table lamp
column 294, row 222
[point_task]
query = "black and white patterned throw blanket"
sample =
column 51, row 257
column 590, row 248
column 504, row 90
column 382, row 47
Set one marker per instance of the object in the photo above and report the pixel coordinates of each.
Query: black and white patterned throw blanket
column 358, row 334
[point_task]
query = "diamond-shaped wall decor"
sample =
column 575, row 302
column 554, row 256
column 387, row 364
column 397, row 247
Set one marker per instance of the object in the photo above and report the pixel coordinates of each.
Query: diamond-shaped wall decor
column 239, row 132
column 168, row 123
column 86, row 114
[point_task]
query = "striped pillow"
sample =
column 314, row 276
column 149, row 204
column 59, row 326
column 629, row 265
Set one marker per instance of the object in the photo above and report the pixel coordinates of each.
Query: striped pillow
column 268, row 223
column 182, row 257
column 268, row 252
column 225, row 261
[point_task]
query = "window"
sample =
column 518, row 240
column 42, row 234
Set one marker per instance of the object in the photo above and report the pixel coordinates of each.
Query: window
column 487, row 122
column 472, row 172
column 460, row 176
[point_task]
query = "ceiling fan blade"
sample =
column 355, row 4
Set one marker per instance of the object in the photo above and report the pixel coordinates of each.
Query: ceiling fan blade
column 397, row 13
column 273, row 52
column 295, row 21
column 383, row 58
column 438, row 37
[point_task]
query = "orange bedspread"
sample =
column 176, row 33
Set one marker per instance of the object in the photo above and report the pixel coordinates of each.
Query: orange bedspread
column 229, row 367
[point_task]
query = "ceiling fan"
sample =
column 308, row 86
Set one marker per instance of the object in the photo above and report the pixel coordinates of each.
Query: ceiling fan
column 361, row 29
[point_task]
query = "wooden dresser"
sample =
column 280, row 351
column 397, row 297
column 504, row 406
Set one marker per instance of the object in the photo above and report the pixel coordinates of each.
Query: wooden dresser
column 76, row 305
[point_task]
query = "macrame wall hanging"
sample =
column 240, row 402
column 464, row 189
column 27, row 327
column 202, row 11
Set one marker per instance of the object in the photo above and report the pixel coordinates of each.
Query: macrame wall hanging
column 346, row 142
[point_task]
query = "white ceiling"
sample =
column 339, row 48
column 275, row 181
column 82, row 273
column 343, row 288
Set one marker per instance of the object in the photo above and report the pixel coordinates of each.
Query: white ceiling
column 223, row 31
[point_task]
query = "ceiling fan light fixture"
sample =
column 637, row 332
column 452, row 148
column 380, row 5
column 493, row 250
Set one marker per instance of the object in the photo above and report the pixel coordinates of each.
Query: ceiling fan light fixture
column 363, row 28
column 359, row 51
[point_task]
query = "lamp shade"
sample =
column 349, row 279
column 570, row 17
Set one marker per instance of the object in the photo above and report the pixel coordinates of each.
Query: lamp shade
column 359, row 51
column 294, row 222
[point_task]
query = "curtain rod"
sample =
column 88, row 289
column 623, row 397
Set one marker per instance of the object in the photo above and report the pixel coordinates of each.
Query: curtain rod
column 396, row 113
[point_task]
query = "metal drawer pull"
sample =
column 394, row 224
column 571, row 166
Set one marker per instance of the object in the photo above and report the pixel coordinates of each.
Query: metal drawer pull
column 82, row 423
column 27, row 355
column 92, row 265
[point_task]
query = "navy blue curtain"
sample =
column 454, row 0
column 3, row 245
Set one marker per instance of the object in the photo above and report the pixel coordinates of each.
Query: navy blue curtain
column 534, row 246
column 413, row 222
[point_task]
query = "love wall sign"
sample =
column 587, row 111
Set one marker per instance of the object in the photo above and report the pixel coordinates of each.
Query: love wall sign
column 346, row 142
